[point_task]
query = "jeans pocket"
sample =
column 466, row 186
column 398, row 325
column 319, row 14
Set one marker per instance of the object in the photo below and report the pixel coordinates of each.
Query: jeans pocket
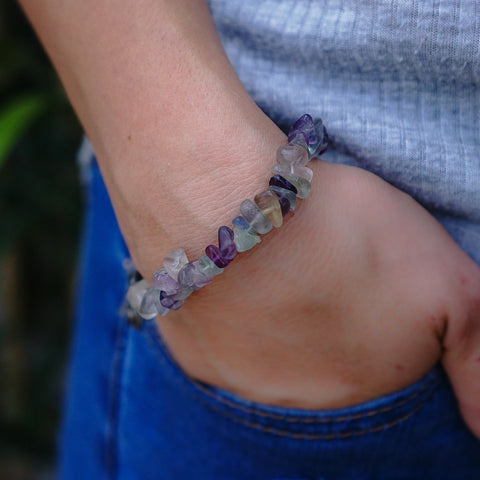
column 194, row 430
column 355, row 421
column 188, row 429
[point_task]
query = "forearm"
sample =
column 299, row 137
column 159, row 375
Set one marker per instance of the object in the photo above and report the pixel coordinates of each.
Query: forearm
column 162, row 106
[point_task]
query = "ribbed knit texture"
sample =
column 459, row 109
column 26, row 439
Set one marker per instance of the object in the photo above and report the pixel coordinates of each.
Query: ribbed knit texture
column 396, row 83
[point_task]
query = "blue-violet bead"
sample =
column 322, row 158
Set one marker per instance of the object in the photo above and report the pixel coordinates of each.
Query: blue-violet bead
column 279, row 181
column 240, row 222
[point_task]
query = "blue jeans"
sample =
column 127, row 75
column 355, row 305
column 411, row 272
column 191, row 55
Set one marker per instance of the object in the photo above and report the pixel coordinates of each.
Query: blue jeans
column 131, row 413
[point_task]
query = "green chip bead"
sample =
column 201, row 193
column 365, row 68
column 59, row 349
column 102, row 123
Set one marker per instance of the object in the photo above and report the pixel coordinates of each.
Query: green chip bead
column 244, row 240
column 303, row 186
column 207, row 267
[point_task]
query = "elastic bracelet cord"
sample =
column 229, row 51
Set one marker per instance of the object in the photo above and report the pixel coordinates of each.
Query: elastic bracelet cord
column 179, row 277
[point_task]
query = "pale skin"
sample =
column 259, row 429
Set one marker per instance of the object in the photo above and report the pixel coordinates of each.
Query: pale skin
column 358, row 294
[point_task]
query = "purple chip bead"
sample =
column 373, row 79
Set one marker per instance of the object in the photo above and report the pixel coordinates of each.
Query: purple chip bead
column 305, row 126
column 214, row 254
column 226, row 244
column 191, row 277
column 164, row 282
column 170, row 301
column 282, row 182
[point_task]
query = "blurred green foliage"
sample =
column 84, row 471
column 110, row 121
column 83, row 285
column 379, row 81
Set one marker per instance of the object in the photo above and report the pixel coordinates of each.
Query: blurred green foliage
column 40, row 215
column 16, row 118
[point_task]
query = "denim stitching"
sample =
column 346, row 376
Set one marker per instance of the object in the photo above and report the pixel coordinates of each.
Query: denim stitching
column 111, row 434
column 320, row 436
column 311, row 420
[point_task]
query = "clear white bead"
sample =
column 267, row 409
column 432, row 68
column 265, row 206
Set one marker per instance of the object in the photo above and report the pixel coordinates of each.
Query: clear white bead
column 149, row 306
column 294, row 170
column 292, row 155
column 135, row 294
column 174, row 261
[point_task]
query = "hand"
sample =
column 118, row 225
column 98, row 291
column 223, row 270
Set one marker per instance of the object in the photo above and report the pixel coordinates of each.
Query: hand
column 358, row 294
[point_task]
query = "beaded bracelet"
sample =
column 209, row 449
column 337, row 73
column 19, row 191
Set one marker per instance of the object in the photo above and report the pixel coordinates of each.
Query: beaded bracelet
column 179, row 277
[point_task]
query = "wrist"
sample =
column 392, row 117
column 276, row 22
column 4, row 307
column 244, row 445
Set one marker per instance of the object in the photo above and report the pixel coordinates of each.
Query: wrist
column 187, row 190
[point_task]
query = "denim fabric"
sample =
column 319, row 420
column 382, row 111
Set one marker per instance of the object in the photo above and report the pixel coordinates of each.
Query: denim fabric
column 131, row 413
column 396, row 83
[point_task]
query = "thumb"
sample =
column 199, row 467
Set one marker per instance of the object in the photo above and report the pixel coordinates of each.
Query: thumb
column 461, row 357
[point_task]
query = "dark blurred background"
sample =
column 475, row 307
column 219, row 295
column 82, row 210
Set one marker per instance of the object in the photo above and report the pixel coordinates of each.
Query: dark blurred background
column 40, row 217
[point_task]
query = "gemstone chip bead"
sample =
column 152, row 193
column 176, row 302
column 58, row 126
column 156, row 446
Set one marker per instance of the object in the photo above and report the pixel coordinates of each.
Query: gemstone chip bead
column 284, row 205
column 305, row 126
column 303, row 186
column 136, row 292
column 320, row 144
column 207, row 267
column 314, row 132
column 240, row 222
column 172, row 302
column 151, row 306
column 283, row 193
column 279, row 181
column 164, row 282
column 294, row 170
column 292, row 155
column 190, row 276
column 254, row 216
column 299, row 140
column 226, row 244
column 269, row 205
column 215, row 255
column 174, row 261
column 244, row 240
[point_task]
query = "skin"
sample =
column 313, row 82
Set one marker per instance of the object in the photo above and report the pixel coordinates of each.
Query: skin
column 357, row 295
